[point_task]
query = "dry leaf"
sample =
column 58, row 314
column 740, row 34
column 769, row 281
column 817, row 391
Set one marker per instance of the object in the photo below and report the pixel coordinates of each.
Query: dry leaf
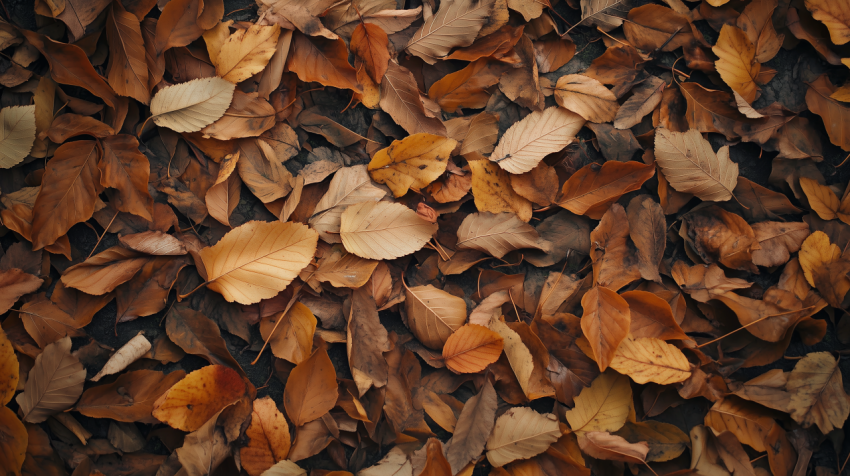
column 369, row 43
column 54, row 384
column 292, row 339
column 691, row 166
column 749, row 422
column 15, row 283
column 471, row 348
column 246, row 52
column 130, row 397
column 202, row 394
column 454, row 24
column 497, row 234
column 587, row 97
column 189, row 107
column 9, row 366
column 400, row 99
column 526, row 142
column 649, row 359
column 604, row 406
column 834, row 16
column 737, row 63
column 383, row 230
column 413, row 162
column 492, row 190
column 18, row 134
column 130, row 352
column 474, row 425
column 433, row 314
column 817, row 393
column 777, row 241
column 592, row 189
column 605, row 322
column 603, row 445
column 521, row 433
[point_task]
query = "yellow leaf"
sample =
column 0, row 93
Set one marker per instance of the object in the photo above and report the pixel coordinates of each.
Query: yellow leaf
column 737, row 63
column 246, row 52
column 9, row 368
column 604, row 406
column 258, row 260
column 192, row 401
column 13, row 442
column 649, row 359
column 815, row 252
column 413, row 162
column 492, row 189
column 518, row 354
column 822, row 200
column 750, row 423
column 835, row 15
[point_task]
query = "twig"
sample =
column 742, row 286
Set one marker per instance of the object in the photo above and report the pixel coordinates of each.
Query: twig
column 103, row 234
column 841, row 469
column 285, row 310
column 518, row 318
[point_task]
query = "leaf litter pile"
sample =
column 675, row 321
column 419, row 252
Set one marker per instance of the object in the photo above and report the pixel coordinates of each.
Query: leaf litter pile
column 498, row 237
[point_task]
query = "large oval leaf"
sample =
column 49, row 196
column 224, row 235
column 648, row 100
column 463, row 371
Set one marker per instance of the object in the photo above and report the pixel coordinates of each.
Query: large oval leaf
column 540, row 133
column 521, row 433
column 433, row 314
column 54, row 384
column 383, row 230
column 189, row 107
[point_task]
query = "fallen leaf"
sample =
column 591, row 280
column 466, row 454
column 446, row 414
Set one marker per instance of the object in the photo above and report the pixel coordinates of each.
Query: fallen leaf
column 104, row 271
column 130, row 352
column 652, row 316
column 757, row 23
column 413, row 162
column 456, row 24
column 749, row 422
column 603, row 445
column 246, row 52
column 191, row 402
column 817, row 392
column 492, row 190
column 497, row 234
column 383, row 230
column 342, row 269
column 321, row 60
column 203, row 450
column 587, row 97
column 646, row 96
column 369, row 43
column 248, row 116
column 526, row 142
column 656, row 27
column 615, row 260
column 124, row 168
column 834, row 17
column 649, row 359
column 605, row 322
column 268, row 436
column 647, row 229
column 197, row 334
column 54, row 384
column 285, row 468
column 593, row 189
column 189, row 107
column 400, row 99
column 246, row 277
column 468, row 88
column 433, row 314
column 730, row 241
column 666, row 441
column 18, row 134
column 128, row 69
column 737, row 63
column 605, row 14
column 292, row 339
column 130, row 397
column 15, row 283
column 350, row 185
column 471, row 348
column 521, row 433
column 777, row 241
column 691, row 166
column 604, row 406
column 366, row 341
column 819, row 101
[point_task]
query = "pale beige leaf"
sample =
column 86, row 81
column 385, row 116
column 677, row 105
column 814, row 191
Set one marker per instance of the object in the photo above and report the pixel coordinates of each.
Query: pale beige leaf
column 285, row 468
column 606, row 14
column 604, row 406
column 521, row 433
column 130, row 352
column 691, row 166
column 154, row 243
column 17, row 134
column 539, row 134
column 395, row 463
column 383, row 230
column 497, row 234
column 349, row 185
column 258, row 260
column 433, row 314
column 586, row 97
column 55, row 383
column 649, row 359
column 191, row 106
column 605, row 446
column 455, row 24
column 246, row 52
column 518, row 354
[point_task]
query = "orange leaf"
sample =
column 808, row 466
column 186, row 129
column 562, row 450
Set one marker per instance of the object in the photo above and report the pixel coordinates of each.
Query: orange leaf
column 194, row 400
column 369, row 43
column 471, row 349
column 605, row 323
column 311, row 390
column 268, row 438
column 592, row 189
column 322, row 60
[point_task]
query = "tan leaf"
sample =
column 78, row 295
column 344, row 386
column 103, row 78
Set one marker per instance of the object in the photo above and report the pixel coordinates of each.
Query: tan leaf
column 606, row 14
column 540, row 184
column 130, row 397
column 383, row 230
column 248, row 116
column 648, row 229
column 293, row 337
column 366, row 341
column 778, row 240
column 837, row 115
column 471, row 348
column 223, row 196
column 395, row 463
column 189, row 107
column 246, row 52
column 311, row 389
column 258, row 260
column 666, row 441
column 191, row 402
column 54, row 384
column 204, row 450
column 691, row 166
column 130, row 352
column 587, row 97
column 14, row 283
column 649, row 359
column 604, row 406
column 521, row 433
column 817, row 392
column 822, row 200
column 16, row 135
column 737, row 63
column 433, row 314
column 603, row 445
column 284, row 468
column 721, row 236
column 645, row 98
column 400, row 99
column 605, row 323
column 497, row 234
column 750, row 423
column 477, row 133
column 540, row 133
column 262, row 171
column 268, row 438
column 518, row 354
column 104, row 271
column 455, row 24
column 474, row 425
column 703, row 282
column 492, row 190
column 615, row 261
column 344, row 270
column 46, row 322
column 593, row 189
column 835, row 16
column 413, row 162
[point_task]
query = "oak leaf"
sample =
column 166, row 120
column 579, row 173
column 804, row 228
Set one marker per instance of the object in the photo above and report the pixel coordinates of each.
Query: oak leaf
column 54, row 384
column 191, row 402
column 191, row 106
column 593, row 189
column 497, row 234
column 257, row 260
column 383, row 230
column 246, row 52
column 17, row 134
column 540, row 133
column 605, row 323
column 521, row 433
column 471, row 348
column 413, row 162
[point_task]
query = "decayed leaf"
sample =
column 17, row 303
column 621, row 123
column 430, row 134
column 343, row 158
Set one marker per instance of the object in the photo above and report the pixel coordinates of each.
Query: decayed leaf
column 413, row 162
column 757, row 23
column 703, row 282
column 592, row 189
column 492, row 190
column 17, row 134
column 15, row 283
column 293, row 336
column 817, row 392
column 834, row 16
column 721, row 236
column 192, row 401
column 311, row 390
column 258, row 260
column 649, row 359
column 521, row 433
column 777, row 241
column 497, row 234
column 433, row 314
column 189, row 107
column 691, row 166
column 604, row 406
column 647, row 229
column 737, row 63
column 603, row 445
column 665, row 441
column 366, row 340
column 246, row 52
column 54, row 384
column 526, row 142
column 130, row 352
column 268, row 438
column 130, row 397
column 454, row 24
column 471, row 348
column 383, row 230
column 605, row 323
column 587, row 97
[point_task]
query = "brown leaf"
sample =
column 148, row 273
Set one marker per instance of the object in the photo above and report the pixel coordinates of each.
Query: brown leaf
column 521, row 85
column 177, row 25
column 293, row 336
column 128, row 69
column 455, row 24
column 14, row 283
column 756, row 22
column 205, row 449
column 123, row 167
column 645, row 98
column 586, row 97
column 471, row 348
column 691, row 166
column 191, row 402
column 366, row 341
column 400, row 99
column 777, row 241
column 737, row 63
column 104, row 271
column 615, row 260
column 651, row 316
column 521, row 433
column 497, row 234
column 709, row 110
column 435, row 463
column 592, row 189
column 247, row 116
column 130, row 397
column 654, row 27
column 321, row 60
column 605, row 323
column 369, row 43
column 198, row 335
column 819, row 101
column 492, row 190
column 721, row 236
column 540, row 184
column 474, row 425
column 54, row 384
column 817, row 392
column 704, row 283
column 468, row 88
column 10, row 367
column 433, row 314
column 761, row 203
column 648, row 230
column 47, row 323
column 750, row 423
column 834, row 17
column 342, row 269
column 13, row 451
column 497, row 44
column 413, row 162
column 71, row 125
column 603, row 445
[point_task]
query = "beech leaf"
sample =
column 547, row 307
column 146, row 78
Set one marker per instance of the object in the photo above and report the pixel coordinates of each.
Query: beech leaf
column 54, row 384
column 526, row 142
column 189, row 107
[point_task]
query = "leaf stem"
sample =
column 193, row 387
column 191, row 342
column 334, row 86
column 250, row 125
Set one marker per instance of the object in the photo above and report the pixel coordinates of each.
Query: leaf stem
column 285, row 310
column 180, row 298
column 750, row 324
column 103, row 234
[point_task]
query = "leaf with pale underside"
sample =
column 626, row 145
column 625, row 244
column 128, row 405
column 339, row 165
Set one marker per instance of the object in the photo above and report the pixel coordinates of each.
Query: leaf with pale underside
column 191, row 106
column 605, row 323
column 540, row 133
column 606, row 14
column 258, row 260
column 472, row 348
column 413, row 162
column 649, row 359
column 703, row 282
column 586, row 97
column 17, row 134
column 817, row 392
column 55, row 382
column 433, row 314
column 645, row 98
column 521, row 433
column 691, row 166
column 455, row 24
column 246, row 52
column 383, row 230
column 497, row 234
column 349, row 185
column 604, row 406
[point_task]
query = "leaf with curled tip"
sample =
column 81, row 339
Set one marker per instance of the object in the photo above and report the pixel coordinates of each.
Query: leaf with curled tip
column 383, row 230
column 497, row 234
column 540, row 133
column 191, row 106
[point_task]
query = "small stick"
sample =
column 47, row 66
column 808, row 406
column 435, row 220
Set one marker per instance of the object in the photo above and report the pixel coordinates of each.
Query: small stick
column 102, row 235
